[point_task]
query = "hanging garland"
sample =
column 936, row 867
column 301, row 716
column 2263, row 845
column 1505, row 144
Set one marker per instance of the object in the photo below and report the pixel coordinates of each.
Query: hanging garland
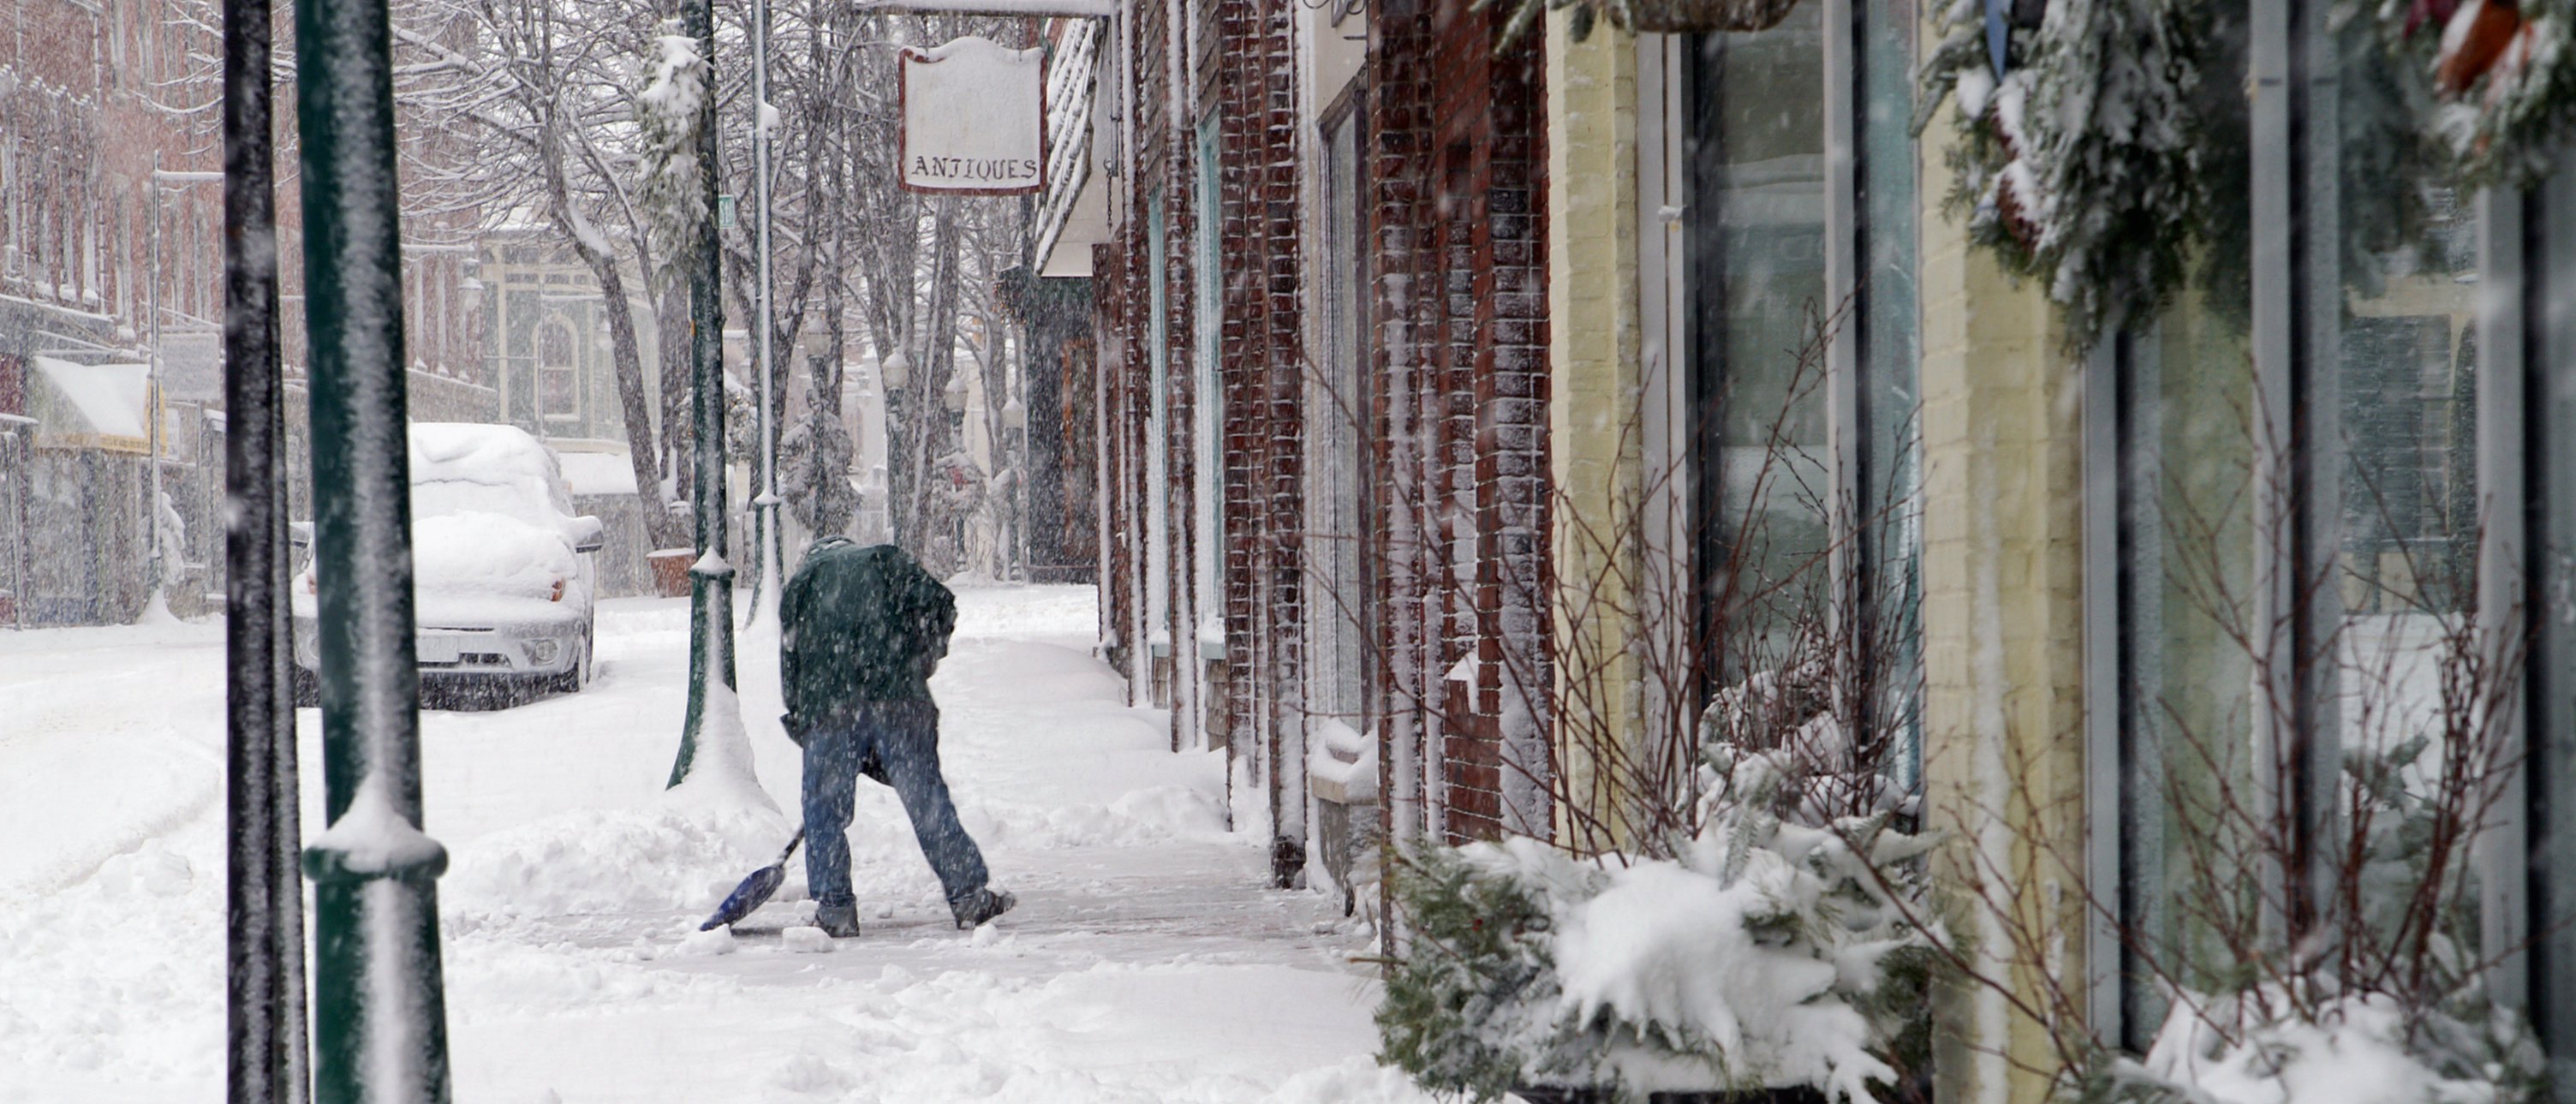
column 2502, row 78
column 1644, row 16
column 2078, row 163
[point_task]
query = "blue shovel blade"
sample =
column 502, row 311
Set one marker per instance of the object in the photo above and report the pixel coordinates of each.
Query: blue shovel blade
column 749, row 895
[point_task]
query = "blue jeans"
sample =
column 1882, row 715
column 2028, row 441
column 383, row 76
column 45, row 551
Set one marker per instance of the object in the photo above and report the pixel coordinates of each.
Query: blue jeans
column 897, row 743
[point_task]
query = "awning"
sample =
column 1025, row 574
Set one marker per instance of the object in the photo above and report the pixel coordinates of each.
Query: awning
column 597, row 473
column 1068, row 253
column 91, row 406
column 1073, row 214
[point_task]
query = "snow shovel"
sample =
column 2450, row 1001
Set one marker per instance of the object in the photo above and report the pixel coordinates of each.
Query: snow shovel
column 754, row 890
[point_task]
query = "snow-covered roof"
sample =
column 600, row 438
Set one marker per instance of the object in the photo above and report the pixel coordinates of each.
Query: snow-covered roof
column 512, row 464
column 99, row 406
column 598, row 473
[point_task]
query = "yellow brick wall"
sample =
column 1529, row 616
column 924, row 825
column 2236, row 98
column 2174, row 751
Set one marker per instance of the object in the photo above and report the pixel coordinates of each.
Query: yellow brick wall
column 2002, row 631
column 1593, row 387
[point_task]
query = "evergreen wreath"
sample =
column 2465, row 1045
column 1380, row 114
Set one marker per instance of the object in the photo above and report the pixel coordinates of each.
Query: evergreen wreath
column 1643, row 16
column 2080, row 165
column 2498, row 83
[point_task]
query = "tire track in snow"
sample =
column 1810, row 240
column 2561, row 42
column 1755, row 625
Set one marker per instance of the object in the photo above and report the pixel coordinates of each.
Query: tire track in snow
column 69, row 690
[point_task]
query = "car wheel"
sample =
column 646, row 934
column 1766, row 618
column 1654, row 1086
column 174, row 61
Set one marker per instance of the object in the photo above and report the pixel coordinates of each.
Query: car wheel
column 306, row 687
column 573, row 678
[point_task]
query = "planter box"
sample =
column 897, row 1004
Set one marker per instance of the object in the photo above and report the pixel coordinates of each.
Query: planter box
column 671, row 571
column 1557, row 1094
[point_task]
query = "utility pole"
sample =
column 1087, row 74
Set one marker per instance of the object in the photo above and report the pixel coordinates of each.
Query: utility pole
column 266, row 1060
column 765, row 577
column 379, row 1006
column 711, row 579
column 152, row 412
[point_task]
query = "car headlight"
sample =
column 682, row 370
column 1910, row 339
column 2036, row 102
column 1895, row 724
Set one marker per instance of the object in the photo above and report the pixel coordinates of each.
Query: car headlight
column 541, row 651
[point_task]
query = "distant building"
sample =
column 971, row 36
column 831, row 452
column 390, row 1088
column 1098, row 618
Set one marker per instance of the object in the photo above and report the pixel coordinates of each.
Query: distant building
column 96, row 97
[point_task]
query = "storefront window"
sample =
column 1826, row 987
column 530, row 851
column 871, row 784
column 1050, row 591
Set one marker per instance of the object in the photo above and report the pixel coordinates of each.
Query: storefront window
column 1760, row 307
column 2549, row 437
column 1340, row 494
column 2317, row 632
column 1887, row 334
column 2187, row 613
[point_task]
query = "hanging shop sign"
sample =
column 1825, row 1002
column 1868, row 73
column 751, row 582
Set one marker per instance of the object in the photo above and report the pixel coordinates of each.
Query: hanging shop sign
column 974, row 119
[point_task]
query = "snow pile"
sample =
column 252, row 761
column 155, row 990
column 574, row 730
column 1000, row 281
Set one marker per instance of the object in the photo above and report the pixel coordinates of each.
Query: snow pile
column 2351, row 1049
column 720, row 777
column 458, row 467
column 668, row 113
column 1760, row 957
column 1670, row 949
column 490, row 554
column 1154, row 814
column 713, row 941
column 678, row 855
column 1342, row 761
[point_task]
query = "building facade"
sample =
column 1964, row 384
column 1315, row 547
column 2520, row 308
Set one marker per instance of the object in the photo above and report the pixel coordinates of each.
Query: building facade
column 111, row 306
column 1473, row 411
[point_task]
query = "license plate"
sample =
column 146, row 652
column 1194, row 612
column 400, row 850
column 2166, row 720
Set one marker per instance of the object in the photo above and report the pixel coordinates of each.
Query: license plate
column 439, row 649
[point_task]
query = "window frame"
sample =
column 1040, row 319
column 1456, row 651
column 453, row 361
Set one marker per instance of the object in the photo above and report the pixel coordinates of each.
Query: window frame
column 2298, row 532
column 1684, row 429
column 572, row 367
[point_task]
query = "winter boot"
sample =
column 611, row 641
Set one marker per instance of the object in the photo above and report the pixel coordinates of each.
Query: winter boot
column 837, row 921
column 980, row 906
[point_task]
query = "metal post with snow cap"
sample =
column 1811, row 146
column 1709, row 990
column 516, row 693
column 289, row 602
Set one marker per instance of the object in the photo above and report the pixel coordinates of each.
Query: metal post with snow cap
column 711, row 578
column 379, row 1009
column 765, row 572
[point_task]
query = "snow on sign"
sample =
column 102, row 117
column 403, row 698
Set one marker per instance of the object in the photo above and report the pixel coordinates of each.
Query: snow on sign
column 974, row 119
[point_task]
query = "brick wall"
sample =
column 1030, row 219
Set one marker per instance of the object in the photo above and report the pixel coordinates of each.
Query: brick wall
column 1457, row 223
column 1457, row 395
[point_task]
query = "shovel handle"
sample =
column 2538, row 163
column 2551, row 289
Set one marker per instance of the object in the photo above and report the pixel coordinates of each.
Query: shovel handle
column 791, row 847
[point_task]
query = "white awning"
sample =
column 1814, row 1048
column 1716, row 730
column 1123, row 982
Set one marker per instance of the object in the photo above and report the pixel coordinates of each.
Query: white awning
column 598, row 473
column 92, row 406
column 1086, row 225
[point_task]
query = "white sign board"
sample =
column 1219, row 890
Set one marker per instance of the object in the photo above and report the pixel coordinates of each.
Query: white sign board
column 974, row 119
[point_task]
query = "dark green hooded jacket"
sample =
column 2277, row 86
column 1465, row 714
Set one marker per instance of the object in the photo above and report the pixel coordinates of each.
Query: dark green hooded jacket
column 858, row 625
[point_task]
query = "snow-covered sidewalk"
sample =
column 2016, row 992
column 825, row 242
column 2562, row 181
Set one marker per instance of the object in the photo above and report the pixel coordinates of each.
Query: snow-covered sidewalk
column 1145, row 961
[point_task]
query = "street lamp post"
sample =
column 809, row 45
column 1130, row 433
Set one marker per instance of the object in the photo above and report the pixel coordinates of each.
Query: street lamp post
column 379, row 1005
column 711, row 578
column 765, row 577
column 1015, row 421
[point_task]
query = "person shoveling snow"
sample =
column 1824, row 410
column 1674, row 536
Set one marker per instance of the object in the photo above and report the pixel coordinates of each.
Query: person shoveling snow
column 860, row 630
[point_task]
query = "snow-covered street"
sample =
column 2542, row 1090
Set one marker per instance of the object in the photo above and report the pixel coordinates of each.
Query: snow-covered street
column 1145, row 961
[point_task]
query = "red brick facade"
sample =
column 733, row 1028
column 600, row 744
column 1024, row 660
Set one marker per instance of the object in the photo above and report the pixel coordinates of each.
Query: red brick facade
column 1458, row 170
column 1455, row 401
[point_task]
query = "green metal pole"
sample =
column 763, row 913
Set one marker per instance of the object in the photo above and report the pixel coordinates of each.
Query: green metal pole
column 711, row 581
column 379, row 1013
column 267, row 1056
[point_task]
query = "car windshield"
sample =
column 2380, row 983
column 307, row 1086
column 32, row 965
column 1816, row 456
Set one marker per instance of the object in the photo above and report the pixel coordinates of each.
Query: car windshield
column 449, row 497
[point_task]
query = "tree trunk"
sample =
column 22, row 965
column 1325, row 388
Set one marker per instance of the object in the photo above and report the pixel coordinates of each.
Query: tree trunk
column 660, row 528
column 671, row 320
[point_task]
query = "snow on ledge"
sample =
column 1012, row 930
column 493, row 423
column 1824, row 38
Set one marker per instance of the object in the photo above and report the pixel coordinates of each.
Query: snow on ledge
column 372, row 837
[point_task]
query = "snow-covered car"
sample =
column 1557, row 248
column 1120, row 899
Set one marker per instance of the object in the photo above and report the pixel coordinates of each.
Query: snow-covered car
column 502, row 576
